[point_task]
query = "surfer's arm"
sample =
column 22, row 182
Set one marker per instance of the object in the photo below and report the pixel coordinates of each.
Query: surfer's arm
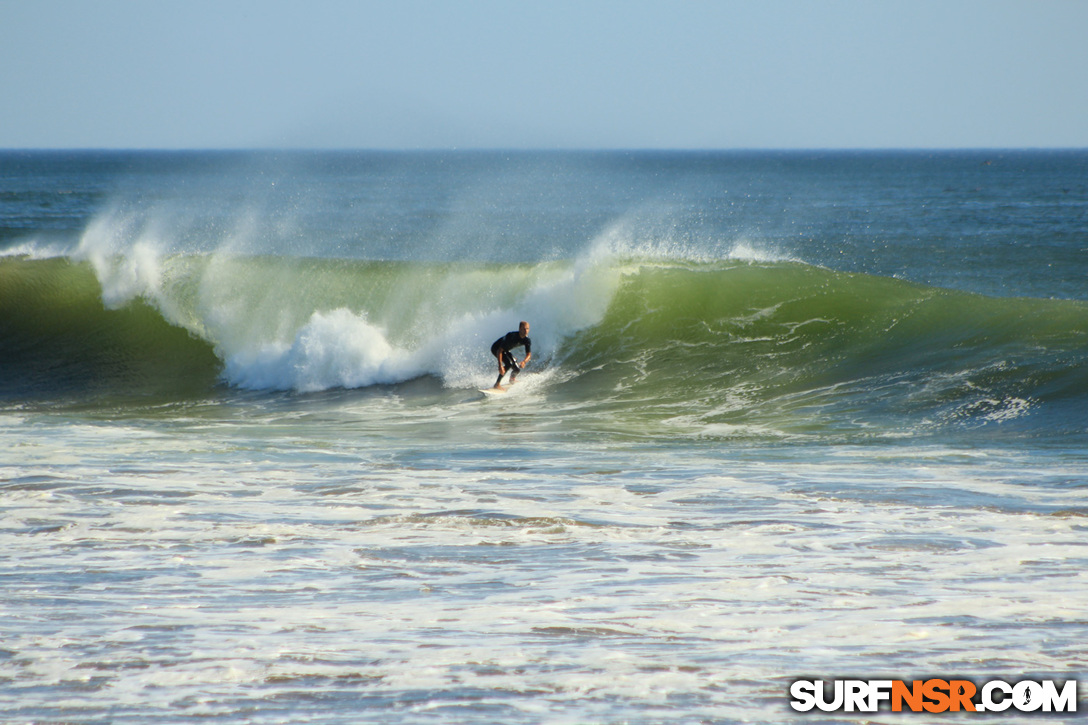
column 525, row 360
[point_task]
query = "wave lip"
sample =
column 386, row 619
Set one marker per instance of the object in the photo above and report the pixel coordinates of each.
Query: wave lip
column 37, row 250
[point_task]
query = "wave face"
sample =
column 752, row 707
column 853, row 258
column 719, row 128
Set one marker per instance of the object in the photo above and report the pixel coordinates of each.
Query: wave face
column 713, row 346
column 791, row 345
column 58, row 340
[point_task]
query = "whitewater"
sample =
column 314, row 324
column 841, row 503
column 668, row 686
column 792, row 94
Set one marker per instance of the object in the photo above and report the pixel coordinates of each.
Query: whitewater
column 789, row 416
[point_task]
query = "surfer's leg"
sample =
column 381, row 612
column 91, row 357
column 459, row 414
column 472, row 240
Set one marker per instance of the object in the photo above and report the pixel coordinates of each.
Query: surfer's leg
column 502, row 370
column 498, row 352
column 512, row 366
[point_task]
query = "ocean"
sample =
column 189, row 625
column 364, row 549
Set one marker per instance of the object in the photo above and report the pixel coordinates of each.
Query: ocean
column 789, row 415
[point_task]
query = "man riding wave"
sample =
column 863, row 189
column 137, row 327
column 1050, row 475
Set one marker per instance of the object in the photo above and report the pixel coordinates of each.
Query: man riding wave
column 501, row 350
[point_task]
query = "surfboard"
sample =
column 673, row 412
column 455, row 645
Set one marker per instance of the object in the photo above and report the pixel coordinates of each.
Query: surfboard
column 493, row 391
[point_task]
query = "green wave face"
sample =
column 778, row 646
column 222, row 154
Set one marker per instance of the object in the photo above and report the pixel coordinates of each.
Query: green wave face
column 57, row 339
column 787, row 345
column 777, row 346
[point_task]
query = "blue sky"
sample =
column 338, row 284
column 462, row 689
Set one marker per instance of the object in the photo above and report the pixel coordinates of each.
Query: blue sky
column 556, row 74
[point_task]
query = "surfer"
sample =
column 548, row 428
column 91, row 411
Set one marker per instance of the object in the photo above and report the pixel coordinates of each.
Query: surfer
column 501, row 350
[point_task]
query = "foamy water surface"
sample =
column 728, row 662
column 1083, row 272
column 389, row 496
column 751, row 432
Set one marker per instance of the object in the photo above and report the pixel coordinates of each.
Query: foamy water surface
column 304, row 558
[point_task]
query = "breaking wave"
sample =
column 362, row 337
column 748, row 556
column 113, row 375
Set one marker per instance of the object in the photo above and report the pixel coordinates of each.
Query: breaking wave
column 719, row 342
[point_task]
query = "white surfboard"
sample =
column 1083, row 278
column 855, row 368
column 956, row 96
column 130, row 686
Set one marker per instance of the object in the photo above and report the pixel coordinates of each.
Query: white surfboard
column 493, row 391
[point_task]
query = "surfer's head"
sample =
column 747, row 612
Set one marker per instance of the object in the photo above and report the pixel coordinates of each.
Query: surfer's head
column 523, row 329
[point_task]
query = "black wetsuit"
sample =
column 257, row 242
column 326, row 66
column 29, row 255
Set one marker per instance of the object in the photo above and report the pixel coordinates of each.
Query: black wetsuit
column 508, row 342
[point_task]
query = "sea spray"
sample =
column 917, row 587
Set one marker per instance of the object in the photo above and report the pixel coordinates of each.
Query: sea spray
column 126, row 257
column 310, row 324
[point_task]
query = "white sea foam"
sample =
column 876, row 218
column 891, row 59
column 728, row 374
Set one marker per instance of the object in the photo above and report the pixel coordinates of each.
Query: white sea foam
column 334, row 349
column 222, row 566
column 342, row 348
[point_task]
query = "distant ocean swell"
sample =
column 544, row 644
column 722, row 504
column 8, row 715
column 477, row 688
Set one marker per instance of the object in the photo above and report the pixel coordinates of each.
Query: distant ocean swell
column 723, row 342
